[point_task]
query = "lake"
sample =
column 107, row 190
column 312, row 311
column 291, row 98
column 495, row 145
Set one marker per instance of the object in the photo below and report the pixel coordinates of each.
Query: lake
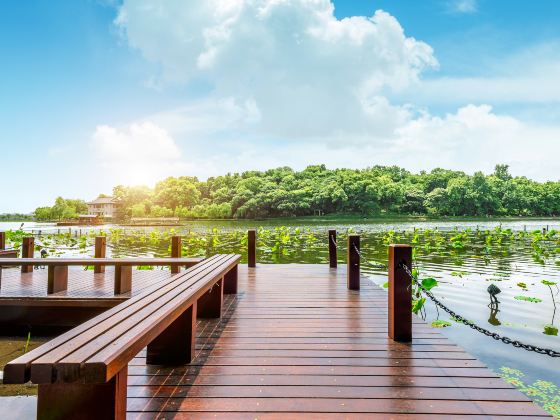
column 464, row 256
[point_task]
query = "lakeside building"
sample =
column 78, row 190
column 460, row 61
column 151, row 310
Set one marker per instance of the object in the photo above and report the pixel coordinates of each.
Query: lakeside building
column 105, row 207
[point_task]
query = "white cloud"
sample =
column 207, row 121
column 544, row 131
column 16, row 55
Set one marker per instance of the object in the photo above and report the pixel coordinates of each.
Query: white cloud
column 306, row 72
column 462, row 6
column 289, row 84
column 141, row 153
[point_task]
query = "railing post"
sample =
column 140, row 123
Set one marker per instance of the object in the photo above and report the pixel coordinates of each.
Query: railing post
column 353, row 263
column 57, row 279
column 27, row 251
column 400, row 293
column 123, row 279
column 100, row 252
column 252, row 247
column 2, row 240
column 332, row 248
column 175, row 252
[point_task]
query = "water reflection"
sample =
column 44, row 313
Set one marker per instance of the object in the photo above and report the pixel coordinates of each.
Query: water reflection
column 494, row 309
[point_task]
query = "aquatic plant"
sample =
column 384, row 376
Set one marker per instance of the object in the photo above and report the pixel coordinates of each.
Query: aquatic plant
column 440, row 323
column 544, row 393
column 528, row 299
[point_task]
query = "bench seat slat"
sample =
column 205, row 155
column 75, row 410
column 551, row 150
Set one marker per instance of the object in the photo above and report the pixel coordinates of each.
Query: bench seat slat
column 18, row 371
column 44, row 368
column 101, row 358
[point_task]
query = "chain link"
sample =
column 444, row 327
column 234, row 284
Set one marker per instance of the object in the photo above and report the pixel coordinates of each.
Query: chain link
column 377, row 266
column 459, row 318
column 333, row 240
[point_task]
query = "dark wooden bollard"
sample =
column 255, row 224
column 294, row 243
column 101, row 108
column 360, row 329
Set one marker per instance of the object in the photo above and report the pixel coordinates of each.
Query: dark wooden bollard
column 27, row 251
column 332, row 248
column 175, row 252
column 400, row 293
column 353, row 263
column 100, row 252
column 252, row 247
column 2, row 240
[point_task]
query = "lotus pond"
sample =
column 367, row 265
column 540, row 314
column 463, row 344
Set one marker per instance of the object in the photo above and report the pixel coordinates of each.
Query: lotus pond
column 521, row 258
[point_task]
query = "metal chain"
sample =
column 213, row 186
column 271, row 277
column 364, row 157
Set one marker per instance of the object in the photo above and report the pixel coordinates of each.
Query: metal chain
column 459, row 318
column 370, row 264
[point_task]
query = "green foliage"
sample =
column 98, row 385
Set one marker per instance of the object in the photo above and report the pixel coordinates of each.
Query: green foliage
column 429, row 283
column 528, row 299
column 544, row 393
column 283, row 192
column 27, row 342
column 550, row 329
column 63, row 209
column 418, row 304
column 440, row 323
column 17, row 217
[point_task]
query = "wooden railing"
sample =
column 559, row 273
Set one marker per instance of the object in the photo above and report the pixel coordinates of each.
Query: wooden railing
column 58, row 268
column 400, row 290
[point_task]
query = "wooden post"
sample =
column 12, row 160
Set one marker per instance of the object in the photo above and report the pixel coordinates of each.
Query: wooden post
column 123, row 279
column 100, row 252
column 353, row 267
column 175, row 252
column 57, row 279
column 400, row 293
column 230, row 281
column 332, row 248
column 2, row 240
column 252, row 247
column 84, row 401
column 176, row 344
column 27, row 251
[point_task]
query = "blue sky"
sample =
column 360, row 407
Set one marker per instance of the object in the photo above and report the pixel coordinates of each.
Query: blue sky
column 96, row 93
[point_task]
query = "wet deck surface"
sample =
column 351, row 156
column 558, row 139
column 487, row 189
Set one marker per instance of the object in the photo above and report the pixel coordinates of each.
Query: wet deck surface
column 295, row 343
column 81, row 283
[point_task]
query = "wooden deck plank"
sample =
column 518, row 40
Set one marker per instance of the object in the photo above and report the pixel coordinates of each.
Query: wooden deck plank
column 295, row 343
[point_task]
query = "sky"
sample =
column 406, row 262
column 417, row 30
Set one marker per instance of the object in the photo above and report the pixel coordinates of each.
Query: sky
column 95, row 93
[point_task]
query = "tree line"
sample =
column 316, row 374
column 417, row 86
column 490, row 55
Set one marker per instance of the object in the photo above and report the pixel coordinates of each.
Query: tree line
column 63, row 209
column 283, row 192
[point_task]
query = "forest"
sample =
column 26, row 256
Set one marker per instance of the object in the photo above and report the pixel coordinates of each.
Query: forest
column 379, row 190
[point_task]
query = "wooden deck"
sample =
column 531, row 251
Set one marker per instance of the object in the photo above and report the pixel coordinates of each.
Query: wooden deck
column 295, row 343
column 81, row 283
column 24, row 301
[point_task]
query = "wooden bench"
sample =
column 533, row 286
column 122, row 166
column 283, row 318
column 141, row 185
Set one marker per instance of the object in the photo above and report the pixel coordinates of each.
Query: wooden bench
column 58, row 268
column 83, row 373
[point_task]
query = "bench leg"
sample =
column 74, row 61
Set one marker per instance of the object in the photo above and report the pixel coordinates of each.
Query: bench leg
column 176, row 344
column 210, row 303
column 123, row 279
column 230, row 282
column 79, row 401
column 57, row 279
